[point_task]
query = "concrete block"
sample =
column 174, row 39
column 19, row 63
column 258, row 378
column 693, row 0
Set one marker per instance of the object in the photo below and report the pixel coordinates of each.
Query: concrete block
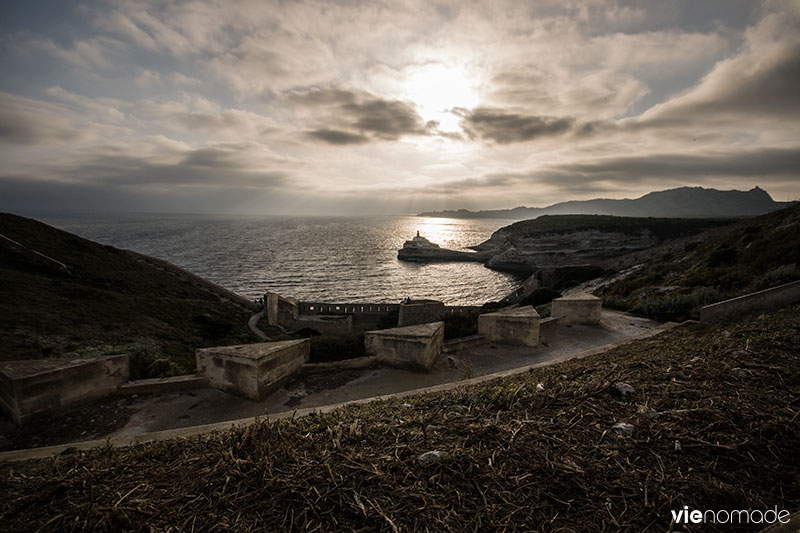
column 416, row 346
column 518, row 326
column 579, row 308
column 37, row 386
column 252, row 370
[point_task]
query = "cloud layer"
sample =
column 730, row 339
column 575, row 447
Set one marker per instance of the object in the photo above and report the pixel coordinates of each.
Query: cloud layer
column 365, row 107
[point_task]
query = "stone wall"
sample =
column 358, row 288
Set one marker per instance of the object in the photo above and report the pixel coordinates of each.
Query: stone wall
column 758, row 301
column 420, row 312
column 464, row 343
column 28, row 388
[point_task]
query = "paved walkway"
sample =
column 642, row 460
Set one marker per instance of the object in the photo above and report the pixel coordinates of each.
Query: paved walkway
column 253, row 325
column 159, row 412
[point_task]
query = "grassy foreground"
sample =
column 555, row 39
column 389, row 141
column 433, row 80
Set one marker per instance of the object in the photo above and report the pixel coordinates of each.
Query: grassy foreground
column 715, row 410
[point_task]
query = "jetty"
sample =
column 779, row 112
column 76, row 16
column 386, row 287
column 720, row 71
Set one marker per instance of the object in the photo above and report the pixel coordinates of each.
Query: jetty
column 421, row 249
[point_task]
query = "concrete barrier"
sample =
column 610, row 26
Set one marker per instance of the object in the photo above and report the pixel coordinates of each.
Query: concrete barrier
column 252, row 370
column 516, row 326
column 579, row 308
column 765, row 300
column 417, row 347
column 465, row 343
column 164, row 385
column 31, row 387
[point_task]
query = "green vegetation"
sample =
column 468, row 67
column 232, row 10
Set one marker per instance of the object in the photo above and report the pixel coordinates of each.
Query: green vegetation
column 753, row 255
column 714, row 414
column 661, row 228
column 110, row 301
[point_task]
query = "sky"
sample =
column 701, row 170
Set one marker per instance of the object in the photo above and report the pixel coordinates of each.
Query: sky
column 351, row 108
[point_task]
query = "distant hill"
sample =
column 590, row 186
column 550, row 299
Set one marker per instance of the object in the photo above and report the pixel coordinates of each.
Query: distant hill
column 67, row 296
column 683, row 202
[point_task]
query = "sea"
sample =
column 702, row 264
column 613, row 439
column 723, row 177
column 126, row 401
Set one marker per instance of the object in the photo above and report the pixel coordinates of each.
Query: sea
column 321, row 259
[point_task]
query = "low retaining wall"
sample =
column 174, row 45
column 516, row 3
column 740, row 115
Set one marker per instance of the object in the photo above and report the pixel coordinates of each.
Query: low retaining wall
column 164, row 385
column 757, row 301
column 465, row 343
column 31, row 387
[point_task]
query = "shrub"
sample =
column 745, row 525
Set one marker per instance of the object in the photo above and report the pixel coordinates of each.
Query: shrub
column 677, row 306
column 776, row 276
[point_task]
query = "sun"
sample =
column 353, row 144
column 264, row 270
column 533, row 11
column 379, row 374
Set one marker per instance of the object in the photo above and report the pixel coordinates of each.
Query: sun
column 437, row 89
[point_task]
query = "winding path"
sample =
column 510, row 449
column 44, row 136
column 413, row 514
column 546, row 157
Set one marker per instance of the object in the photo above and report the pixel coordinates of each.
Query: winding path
column 253, row 325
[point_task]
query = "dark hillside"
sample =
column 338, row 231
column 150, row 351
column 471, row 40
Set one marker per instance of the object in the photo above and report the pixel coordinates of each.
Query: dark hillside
column 108, row 301
column 752, row 255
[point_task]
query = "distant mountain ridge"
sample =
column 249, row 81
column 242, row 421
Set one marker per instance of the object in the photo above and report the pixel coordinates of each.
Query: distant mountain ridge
column 683, row 202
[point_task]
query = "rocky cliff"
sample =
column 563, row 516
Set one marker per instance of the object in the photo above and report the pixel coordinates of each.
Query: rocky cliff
column 572, row 240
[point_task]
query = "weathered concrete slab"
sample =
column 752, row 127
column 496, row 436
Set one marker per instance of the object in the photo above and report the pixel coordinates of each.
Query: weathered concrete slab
column 579, row 308
column 164, row 385
column 416, row 346
column 252, row 370
column 31, row 387
column 516, row 327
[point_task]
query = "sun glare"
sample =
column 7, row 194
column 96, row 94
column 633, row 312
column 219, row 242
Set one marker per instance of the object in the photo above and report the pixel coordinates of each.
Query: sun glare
column 437, row 89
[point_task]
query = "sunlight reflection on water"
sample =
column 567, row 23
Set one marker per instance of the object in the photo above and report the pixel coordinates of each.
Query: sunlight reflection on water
column 329, row 259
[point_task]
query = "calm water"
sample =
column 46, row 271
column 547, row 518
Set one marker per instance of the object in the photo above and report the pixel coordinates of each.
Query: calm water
column 329, row 259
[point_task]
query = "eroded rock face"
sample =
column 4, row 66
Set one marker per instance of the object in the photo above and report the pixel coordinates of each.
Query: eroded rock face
column 528, row 253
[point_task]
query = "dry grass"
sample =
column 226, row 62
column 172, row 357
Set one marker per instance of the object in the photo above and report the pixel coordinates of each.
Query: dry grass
column 716, row 411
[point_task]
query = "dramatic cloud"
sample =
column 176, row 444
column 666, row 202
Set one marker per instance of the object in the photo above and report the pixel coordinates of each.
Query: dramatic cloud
column 364, row 116
column 303, row 106
column 505, row 128
column 338, row 137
